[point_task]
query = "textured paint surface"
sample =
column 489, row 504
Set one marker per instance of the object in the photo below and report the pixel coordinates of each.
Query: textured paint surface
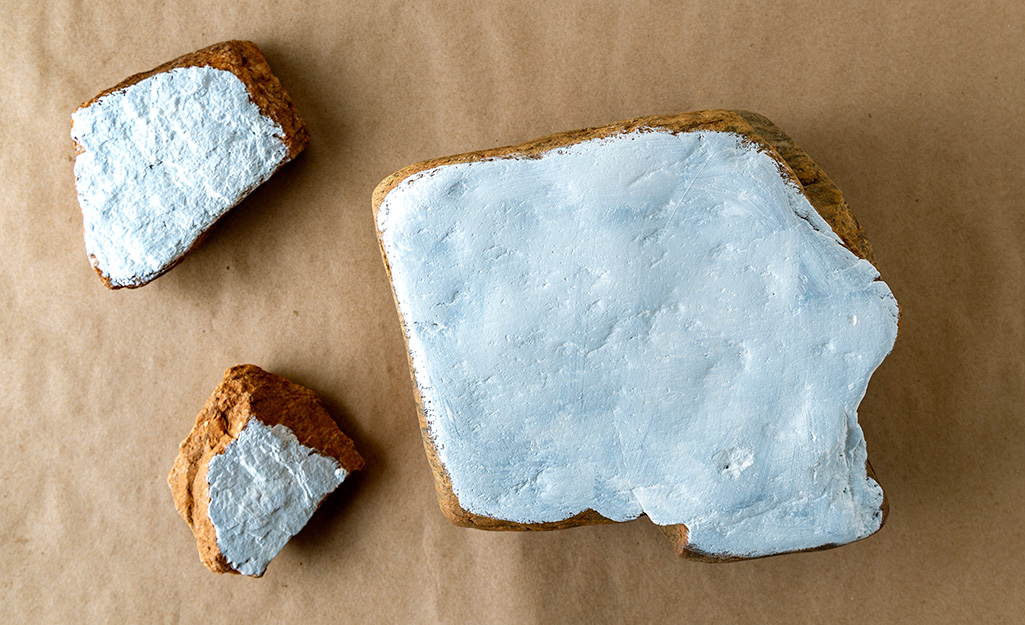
column 263, row 489
column 650, row 323
column 161, row 161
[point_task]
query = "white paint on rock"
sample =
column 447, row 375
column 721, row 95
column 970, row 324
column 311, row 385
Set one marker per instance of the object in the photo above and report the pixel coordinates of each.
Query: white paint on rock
column 651, row 323
column 264, row 487
column 162, row 161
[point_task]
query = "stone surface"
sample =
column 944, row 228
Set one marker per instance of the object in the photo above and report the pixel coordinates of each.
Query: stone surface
column 248, row 393
column 794, row 168
column 163, row 155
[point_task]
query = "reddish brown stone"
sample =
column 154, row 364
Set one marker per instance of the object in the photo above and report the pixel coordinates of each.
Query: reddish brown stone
column 247, row 392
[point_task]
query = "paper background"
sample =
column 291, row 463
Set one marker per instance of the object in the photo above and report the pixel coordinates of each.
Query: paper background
column 914, row 108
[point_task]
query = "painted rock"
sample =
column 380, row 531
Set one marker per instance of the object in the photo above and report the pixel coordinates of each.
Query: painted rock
column 263, row 455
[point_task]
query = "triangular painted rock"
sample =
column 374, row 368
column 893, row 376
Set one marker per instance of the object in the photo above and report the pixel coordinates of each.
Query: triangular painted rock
column 262, row 456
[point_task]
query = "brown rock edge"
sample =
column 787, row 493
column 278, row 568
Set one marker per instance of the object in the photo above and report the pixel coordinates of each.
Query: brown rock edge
column 247, row 392
column 247, row 62
column 794, row 164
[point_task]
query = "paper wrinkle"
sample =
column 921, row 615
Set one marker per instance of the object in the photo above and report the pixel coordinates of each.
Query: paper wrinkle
column 164, row 159
column 264, row 487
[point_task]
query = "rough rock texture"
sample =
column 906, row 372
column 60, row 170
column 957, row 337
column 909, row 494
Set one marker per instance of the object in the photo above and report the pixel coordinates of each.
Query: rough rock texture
column 247, row 392
column 245, row 60
column 823, row 195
